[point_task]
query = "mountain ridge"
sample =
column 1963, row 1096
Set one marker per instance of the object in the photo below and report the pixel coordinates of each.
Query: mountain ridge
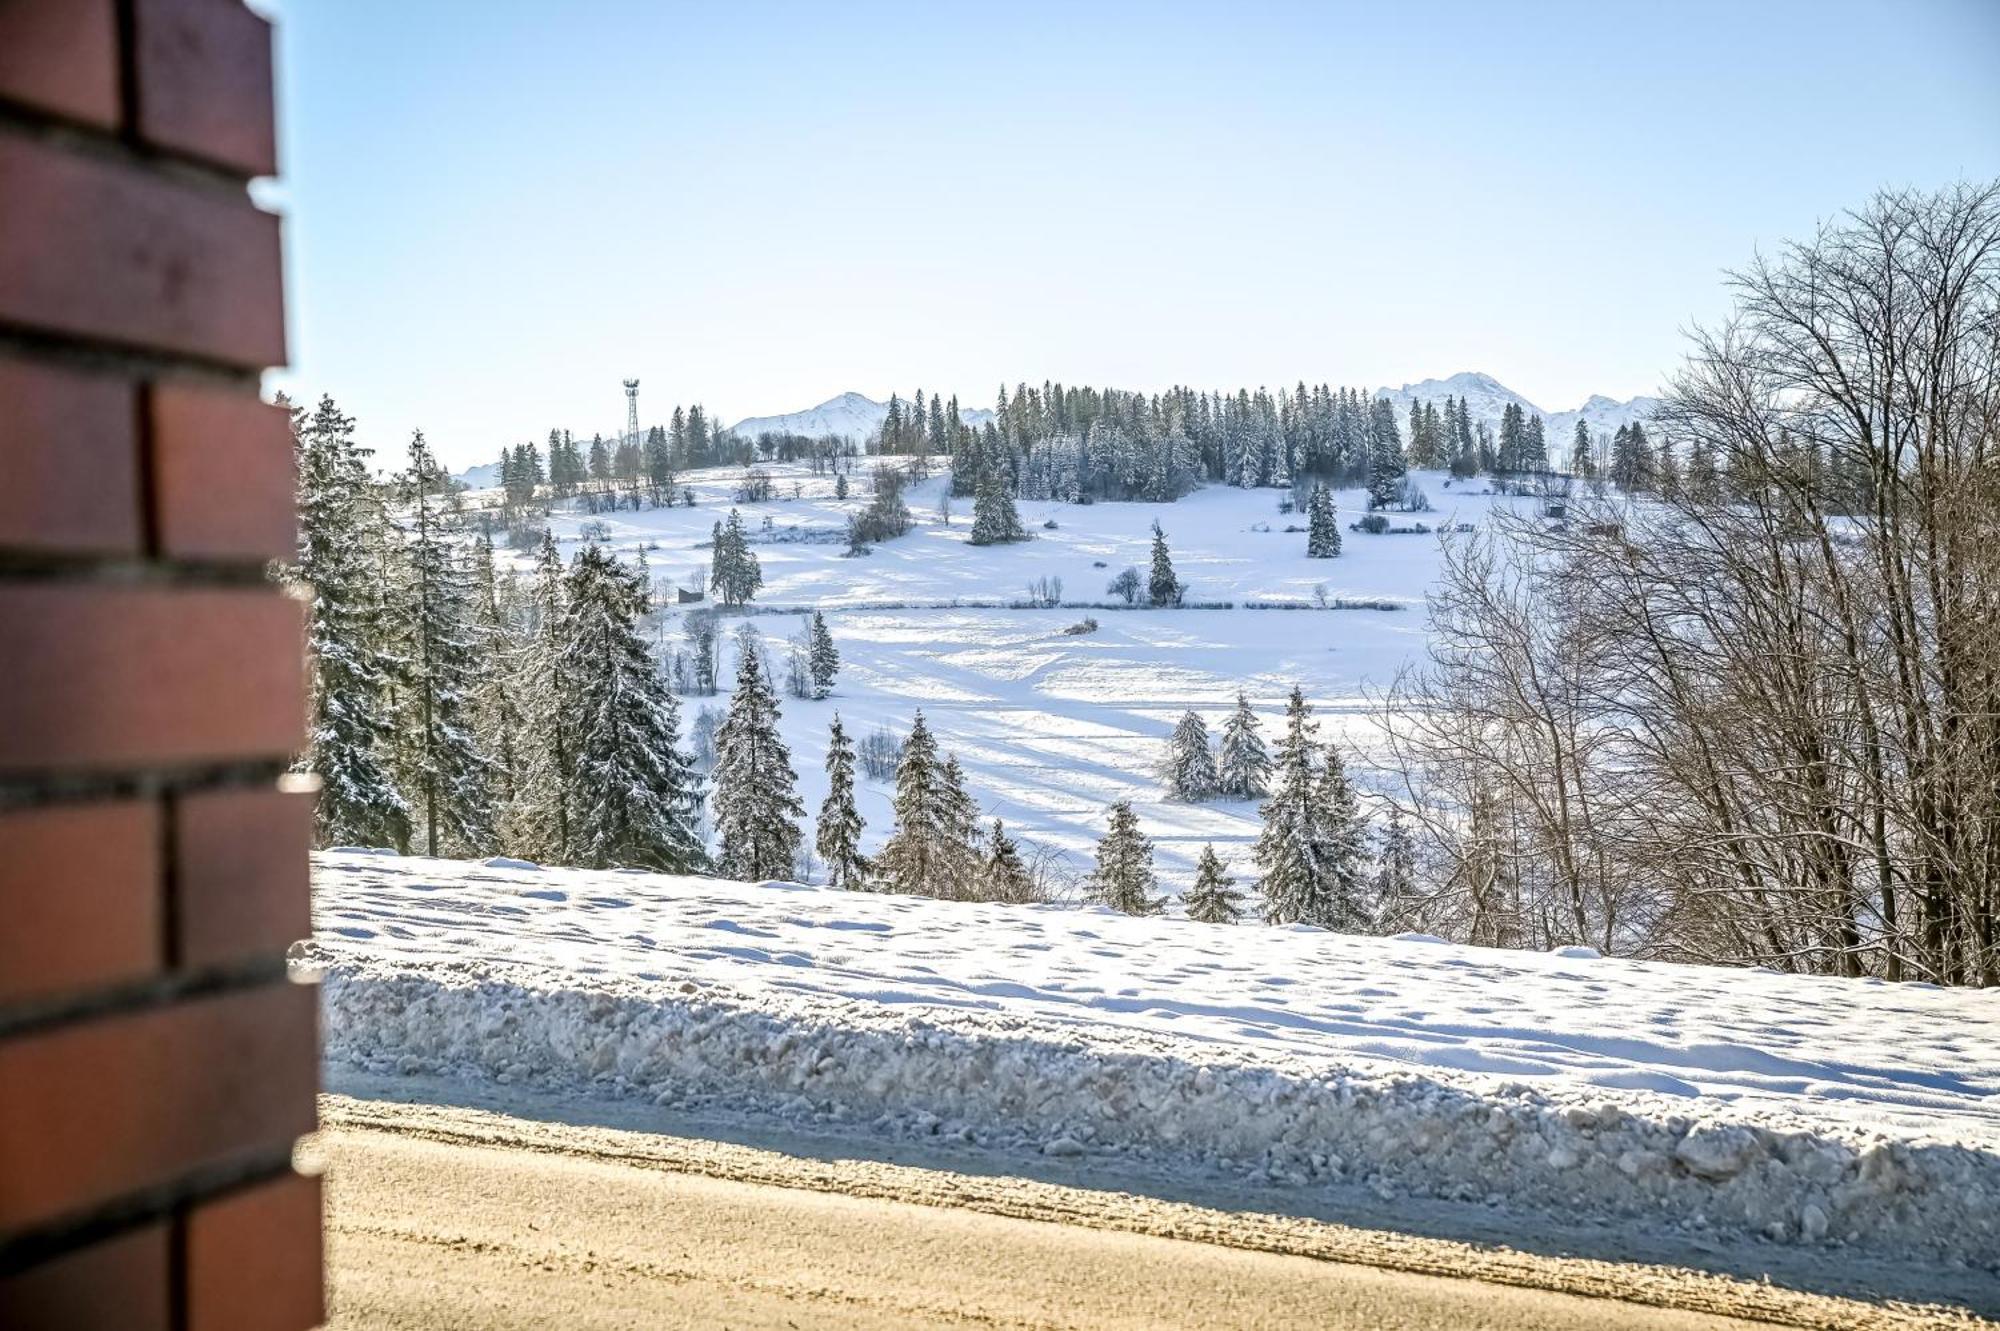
column 1486, row 397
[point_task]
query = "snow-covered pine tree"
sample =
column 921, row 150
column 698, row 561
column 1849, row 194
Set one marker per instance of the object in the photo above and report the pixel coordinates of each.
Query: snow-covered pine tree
column 444, row 767
column 1631, row 459
column 1213, row 899
column 995, row 521
column 823, row 657
column 1582, row 458
column 348, row 667
column 1322, row 526
column 1007, row 878
column 634, row 797
column 1395, row 886
column 497, row 718
column 1123, row 879
column 1513, row 430
column 1704, row 477
column 914, row 858
column 1162, row 587
column 961, row 833
column 756, row 802
column 1386, row 466
column 1534, row 445
column 703, row 667
column 543, row 828
column 1190, row 762
column 1246, row 768
column 1309, row 851
column 734, row 574
column 1345, row 858
column 838, row 838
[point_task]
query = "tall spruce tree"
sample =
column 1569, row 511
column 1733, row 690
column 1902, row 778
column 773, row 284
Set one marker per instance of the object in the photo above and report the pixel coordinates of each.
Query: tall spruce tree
column 1322, row 527
column 917, row 855
column 823, row 658
column 1309, row 851
column 994, row 517
column 1345, row 859
column 1245, row 770
column 1007, row 877
column 734, row 574
column 838, row 838
column 756, row 791
column 633, row 796
column 440, row 755
column 1190, row 762
column 1213, row 899
column 497, row 716
column 961, row 833
column 1162, row 587
column 1582, row 458
column 1395, row 885
column 1631, row 459
column 543, row 825
column 349, row 669
column 1386, row 466
column 1124, row 879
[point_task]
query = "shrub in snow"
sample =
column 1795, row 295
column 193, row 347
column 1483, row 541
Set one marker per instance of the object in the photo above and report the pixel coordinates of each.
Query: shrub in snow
column 1082, row 626
column 1373, row 523
column 881, row 753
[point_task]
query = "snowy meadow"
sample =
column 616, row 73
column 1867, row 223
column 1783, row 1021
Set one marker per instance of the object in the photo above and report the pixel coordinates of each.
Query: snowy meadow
column 1053, row 725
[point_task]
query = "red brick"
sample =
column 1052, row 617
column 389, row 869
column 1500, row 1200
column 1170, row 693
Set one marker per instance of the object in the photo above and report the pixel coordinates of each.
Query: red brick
column 223, row 478
column 80, row 897
column 242, row 882
column 93, row 248
column 96, row 676
column 253, row 1259
column 71, row 445
column 98, row 1110
column 204, row 70
column 61, row 57
column 118, row 1282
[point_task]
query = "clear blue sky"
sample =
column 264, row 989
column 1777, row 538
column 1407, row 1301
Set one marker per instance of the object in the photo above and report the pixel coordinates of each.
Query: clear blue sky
column 496, row 211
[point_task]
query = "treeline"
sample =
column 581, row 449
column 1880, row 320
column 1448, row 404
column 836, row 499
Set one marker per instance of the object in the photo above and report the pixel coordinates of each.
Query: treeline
column 1755, row 719
column 464, row 712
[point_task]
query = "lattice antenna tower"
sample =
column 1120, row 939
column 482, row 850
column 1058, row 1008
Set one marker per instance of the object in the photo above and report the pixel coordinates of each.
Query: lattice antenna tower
column 632, row 410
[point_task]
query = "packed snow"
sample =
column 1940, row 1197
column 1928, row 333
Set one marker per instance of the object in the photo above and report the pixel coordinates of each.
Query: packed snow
column 1052, row 725
column 1798, row 1109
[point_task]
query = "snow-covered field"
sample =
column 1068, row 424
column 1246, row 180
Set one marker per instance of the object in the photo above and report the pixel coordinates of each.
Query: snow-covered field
column 1810, row 1110
column 1052, row 727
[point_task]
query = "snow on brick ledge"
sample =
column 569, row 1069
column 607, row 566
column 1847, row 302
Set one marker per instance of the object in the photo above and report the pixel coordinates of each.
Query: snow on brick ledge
column 1800, row 1109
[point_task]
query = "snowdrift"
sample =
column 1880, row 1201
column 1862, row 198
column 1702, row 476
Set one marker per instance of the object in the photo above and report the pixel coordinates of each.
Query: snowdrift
column 1797, row 1109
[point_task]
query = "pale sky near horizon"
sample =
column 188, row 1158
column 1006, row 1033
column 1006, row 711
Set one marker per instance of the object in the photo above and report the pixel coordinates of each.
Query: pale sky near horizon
column 495, row 212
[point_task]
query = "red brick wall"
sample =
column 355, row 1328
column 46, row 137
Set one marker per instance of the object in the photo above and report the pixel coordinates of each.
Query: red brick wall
column 156, row 1067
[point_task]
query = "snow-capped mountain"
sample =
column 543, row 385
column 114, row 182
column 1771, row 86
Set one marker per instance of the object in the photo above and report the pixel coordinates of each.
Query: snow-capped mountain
column 850, row 415
column 1487, row 397
column 482, row 477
